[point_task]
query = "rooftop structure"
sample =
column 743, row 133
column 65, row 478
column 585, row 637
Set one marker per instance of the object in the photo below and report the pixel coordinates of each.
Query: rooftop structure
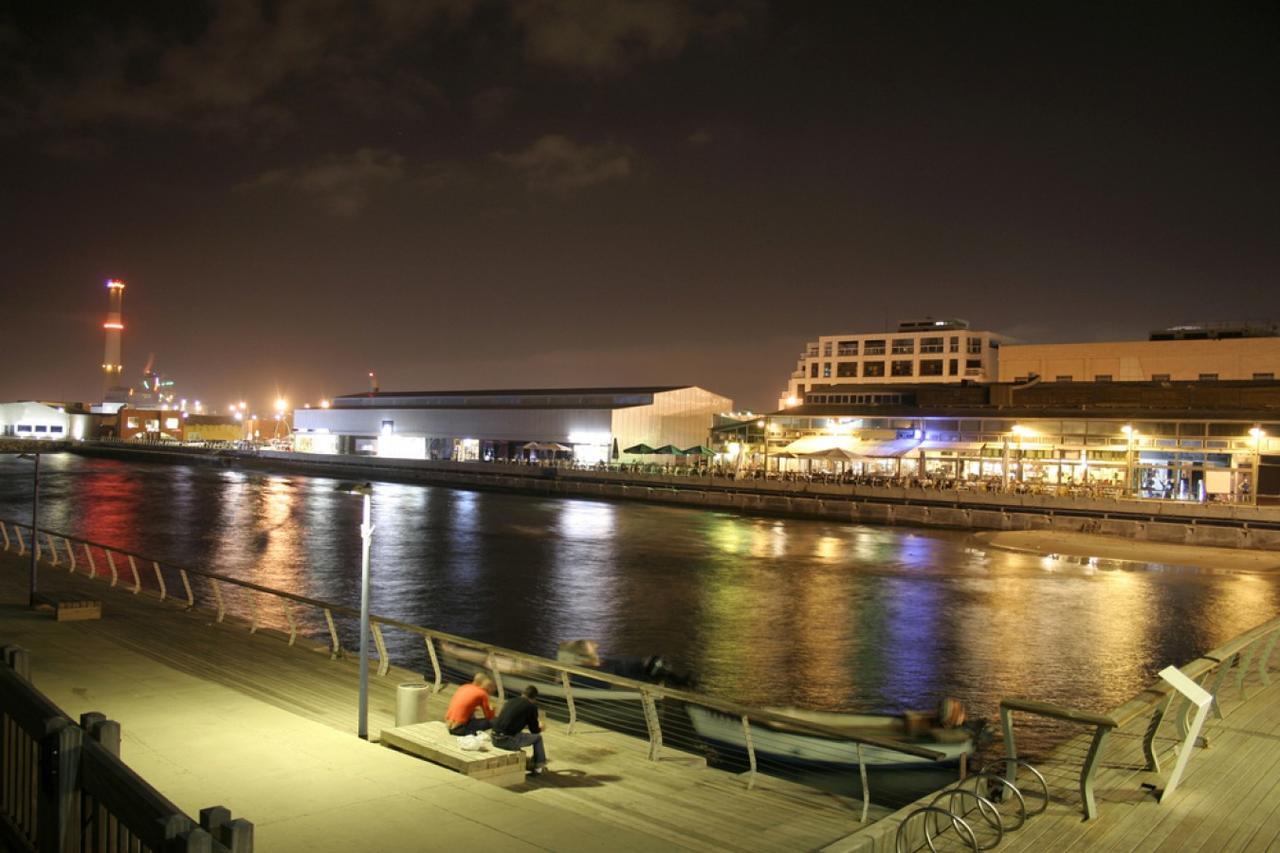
column 1215, row 331
column 1196, row 358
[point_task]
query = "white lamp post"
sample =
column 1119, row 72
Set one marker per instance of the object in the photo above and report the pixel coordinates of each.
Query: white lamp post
column 366, row 537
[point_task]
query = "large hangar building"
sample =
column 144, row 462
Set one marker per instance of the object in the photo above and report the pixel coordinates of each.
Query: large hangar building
column 592, row 424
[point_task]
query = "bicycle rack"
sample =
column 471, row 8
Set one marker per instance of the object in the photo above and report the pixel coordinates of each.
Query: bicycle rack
column 954, row 806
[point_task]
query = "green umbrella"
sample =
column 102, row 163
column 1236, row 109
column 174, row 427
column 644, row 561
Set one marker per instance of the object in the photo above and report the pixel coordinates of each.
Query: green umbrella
column 668, row 450
column 699, row 450
column 640, row 450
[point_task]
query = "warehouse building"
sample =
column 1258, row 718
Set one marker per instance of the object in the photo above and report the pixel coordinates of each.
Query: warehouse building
column 588, row 425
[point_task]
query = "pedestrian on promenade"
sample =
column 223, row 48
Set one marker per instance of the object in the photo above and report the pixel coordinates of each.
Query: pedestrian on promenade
column 461, row 715
column 517, row 714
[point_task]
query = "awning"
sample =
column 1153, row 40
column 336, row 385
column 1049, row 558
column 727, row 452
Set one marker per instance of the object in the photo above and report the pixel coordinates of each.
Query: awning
column 549, row 446
column 886, row 449
column 811, row 444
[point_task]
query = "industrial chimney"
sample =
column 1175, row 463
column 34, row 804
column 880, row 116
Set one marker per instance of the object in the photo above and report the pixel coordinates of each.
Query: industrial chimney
column 112, row 367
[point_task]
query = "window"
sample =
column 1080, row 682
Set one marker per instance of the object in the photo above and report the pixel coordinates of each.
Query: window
column 904, row 346
column 873, row 368
column 170, row 423
column 41, row 428
column 976, row 364
column 1102, row 377
column 826, row 349
column 56, row 428
column 1264, row 376
column 847, row 368
column 826, row 369
column 954, row 367
column 1159, row 377
column 1062, row 378
column 975, row 346
column 24, row 427
column 131, row 423
column 955, row 343
column 873, row 347
column 1208, row 377
column 847, row 348
column 931, row 367
column 813, row 370
column 902, row 368
column 931, row 344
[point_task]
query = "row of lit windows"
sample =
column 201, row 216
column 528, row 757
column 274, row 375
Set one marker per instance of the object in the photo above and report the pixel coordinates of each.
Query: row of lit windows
column 44, row 428
column 1155, row 377
column 898, row 346
column 928, row 367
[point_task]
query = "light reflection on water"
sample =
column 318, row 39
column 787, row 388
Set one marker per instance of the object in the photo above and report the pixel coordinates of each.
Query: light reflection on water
column 768, row 611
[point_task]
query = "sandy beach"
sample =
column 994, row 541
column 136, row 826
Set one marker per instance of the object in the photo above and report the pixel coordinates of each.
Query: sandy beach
column 1086, row 545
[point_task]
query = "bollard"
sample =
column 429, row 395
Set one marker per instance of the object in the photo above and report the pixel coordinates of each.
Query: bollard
column 411, row 702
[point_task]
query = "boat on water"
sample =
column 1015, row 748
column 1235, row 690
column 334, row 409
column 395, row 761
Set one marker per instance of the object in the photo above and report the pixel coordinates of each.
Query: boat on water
column 793, row 745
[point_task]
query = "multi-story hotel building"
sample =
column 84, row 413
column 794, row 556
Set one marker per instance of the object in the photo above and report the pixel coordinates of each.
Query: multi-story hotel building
column 920, row 351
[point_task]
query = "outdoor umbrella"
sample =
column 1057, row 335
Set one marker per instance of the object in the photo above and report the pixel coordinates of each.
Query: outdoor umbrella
column 698, row 450
column 640, row 450
column 668, row 450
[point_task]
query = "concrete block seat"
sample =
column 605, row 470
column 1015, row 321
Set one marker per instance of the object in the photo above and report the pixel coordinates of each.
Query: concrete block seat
column 433, row 742
column 68, row 607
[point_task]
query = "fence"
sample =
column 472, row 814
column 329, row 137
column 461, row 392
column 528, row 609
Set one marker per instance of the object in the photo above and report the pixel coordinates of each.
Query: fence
column 64, row 788
column 841, row 754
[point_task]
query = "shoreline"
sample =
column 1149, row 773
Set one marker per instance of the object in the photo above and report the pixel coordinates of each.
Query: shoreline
column 1090, row 547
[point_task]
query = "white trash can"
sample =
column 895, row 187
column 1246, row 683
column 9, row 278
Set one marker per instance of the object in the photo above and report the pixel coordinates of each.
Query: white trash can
column 411, row 703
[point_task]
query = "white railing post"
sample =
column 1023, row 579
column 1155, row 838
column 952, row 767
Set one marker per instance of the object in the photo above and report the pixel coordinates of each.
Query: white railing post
column 137, row 581
column 866, row 788
column 497, row 676
column 288, row 617
column 71, row 555
column 160, row 580
column 111, row 561
column 336, row 648
column 652, row 724
column 1264, row 663
column 384, row 665
column 22, row 546
column 88, row 555
column 217, row 599
column 1197, row 696
column 751, row 751
column 4, row 530
column 568, row 700
column 435, row 665
column 53, row 548
column 186, row 585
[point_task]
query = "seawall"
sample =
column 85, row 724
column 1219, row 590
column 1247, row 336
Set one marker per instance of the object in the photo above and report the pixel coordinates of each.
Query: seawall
column 1213, row 525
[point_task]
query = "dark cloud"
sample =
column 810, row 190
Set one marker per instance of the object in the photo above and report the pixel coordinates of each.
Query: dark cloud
column 341, row 185
column 611, row 35
column 555, row 163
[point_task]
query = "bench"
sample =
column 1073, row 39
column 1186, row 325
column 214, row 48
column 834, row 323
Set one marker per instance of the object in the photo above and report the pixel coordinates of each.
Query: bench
column 433, row 742
column 68, row 608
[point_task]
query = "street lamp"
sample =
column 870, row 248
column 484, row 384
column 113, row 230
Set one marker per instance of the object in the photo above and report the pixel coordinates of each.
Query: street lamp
column 366, row 536
column 35, row 514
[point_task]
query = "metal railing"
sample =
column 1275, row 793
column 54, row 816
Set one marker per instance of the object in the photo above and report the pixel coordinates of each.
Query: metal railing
column 64, row 788
column 1210, row 671
column 747, row 739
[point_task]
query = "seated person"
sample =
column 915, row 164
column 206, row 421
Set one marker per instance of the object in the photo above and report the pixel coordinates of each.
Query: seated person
column 518, row 713
column 460, row 717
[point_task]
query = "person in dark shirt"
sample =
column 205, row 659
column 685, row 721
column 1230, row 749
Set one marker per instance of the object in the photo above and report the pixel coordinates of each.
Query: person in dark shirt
column 517, row 714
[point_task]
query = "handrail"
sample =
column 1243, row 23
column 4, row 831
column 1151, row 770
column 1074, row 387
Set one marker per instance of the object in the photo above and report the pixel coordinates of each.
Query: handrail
column 1160, row 695
column 656, row 690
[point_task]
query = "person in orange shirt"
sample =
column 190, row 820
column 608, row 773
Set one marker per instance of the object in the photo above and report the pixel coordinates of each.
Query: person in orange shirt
column 461, row 716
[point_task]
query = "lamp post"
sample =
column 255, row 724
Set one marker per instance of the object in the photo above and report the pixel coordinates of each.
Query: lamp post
column 366, row 537
column 1257, row 433
column 1127, row 429
column 35, row 514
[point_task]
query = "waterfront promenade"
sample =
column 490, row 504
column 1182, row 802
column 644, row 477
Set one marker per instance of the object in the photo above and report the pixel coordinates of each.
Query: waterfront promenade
column 214, row 715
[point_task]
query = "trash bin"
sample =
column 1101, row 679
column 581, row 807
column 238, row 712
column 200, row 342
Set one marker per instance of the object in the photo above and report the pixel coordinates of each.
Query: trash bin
column 411, row 703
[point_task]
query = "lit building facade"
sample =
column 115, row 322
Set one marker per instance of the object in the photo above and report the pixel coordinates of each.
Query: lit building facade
column 44, row 421
column 920, row 351
column 1170, row 360
column 589, row 424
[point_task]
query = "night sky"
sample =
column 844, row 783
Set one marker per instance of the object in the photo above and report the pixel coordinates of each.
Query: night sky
column 470, row 194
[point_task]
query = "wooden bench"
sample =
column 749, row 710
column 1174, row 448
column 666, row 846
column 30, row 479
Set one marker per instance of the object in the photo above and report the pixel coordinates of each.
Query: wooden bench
column 69, row 608
column 433, row 742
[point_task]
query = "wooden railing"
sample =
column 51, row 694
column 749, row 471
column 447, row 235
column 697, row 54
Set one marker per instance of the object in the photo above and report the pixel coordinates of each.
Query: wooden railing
column 64, row 788
column 1211, row 671
column 213, row 593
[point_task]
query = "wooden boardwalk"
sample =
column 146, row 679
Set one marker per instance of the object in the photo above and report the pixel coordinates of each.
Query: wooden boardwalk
column 598, row 777
column 1227, row 800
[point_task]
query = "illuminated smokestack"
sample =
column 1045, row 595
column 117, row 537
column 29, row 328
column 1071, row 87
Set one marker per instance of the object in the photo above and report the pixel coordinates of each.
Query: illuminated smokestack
column 112, row 368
